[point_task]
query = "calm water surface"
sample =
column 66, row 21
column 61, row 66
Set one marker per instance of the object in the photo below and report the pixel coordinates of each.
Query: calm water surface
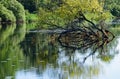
column 39, row 55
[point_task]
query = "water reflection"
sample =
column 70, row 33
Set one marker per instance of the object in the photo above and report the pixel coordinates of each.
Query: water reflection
column 51, row 60
column 10, row 51
column 37, row 55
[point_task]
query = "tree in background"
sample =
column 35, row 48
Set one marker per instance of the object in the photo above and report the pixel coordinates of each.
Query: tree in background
column 113, row 6
column 29, row 4
column 33, row 5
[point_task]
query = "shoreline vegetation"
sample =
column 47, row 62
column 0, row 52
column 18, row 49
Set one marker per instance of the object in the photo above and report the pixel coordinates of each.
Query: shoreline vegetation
column 50, row 14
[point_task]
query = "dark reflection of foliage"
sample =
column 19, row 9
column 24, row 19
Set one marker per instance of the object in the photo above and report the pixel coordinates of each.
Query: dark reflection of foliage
column 44, row 53
column 40, row 47
column 10, row 51
column 6, row 31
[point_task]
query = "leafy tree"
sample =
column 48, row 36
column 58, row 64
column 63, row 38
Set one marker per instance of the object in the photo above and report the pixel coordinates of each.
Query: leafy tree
column 68, row 11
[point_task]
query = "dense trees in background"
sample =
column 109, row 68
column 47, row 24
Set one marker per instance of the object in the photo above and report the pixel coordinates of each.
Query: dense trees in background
column 33, row 5
column 57, row 10
column 29, row 4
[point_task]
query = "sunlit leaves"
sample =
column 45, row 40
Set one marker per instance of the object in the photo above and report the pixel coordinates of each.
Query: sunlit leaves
column 85, row 5
column 69, row 9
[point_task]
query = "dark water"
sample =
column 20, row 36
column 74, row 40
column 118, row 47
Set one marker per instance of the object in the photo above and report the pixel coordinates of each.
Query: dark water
column 39, row 55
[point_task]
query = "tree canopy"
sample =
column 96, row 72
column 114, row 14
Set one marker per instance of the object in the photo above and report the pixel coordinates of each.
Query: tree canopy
column 68, row 11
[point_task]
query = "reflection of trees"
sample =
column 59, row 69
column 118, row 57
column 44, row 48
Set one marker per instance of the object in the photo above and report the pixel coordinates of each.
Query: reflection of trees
column 10, row 51
column 78, row 39
column 40, row 47
column 71, row 71
column 71, row 42
column 6, row 31
column 43, row 52
column 116, row 29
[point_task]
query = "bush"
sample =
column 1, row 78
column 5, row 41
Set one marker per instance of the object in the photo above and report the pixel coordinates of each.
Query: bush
column 6, row 15
column 16, row 8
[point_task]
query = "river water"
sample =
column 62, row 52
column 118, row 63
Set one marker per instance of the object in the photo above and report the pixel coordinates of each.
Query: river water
column 39, row 55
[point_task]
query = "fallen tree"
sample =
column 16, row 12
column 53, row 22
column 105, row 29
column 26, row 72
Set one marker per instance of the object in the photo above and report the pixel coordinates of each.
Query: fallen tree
column 83, row 33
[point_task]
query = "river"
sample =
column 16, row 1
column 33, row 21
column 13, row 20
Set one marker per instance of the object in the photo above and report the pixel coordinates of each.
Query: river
column 39, row 55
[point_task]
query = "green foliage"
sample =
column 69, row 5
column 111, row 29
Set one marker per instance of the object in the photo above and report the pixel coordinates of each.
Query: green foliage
column 6, row 15
column 10, row 51
column 31, row 25
column 30, row 17
column 15, row 7
column 113, row 7
column 18, row 10
column 0, row 19
column 68, row 12
column 50, row 4
column 33, row 5
column 116, row 11
column 48, row 18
